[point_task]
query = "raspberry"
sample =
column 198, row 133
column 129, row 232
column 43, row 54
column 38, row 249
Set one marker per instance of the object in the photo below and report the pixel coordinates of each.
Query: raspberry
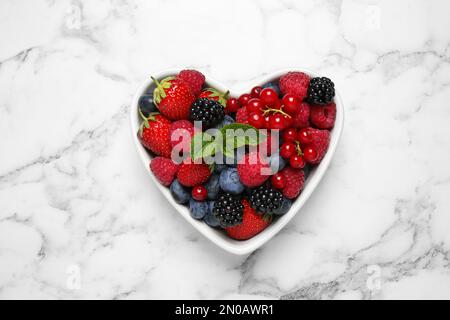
column 242, row 115
column 320, row 142
column 253, row 174
column 193, row 174
column 295, row 179
column 323, row 117
column 301, row 118
column 164, row 170
column 194, row 79
column 295, row 83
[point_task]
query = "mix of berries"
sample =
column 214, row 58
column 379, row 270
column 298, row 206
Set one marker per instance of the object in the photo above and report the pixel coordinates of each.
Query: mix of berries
column 243, row 195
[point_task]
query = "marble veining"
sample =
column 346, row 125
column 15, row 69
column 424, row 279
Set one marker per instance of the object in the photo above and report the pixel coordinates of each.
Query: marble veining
column 79, row 217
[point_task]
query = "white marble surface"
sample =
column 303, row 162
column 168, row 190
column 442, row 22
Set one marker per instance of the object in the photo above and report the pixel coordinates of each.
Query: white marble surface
column 80, row 218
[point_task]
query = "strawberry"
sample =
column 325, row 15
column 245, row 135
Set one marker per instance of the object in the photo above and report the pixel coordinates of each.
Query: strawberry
column 252, row 224
column 164, row 170
column 214, row 94
column 154, row 134
column 320, row 142
column 179, row 129
column 242, row 115
column 193, row 174
column 194, row 79
column 173, row 97
column 252, row 170
column 295, row 179
column 323, row 116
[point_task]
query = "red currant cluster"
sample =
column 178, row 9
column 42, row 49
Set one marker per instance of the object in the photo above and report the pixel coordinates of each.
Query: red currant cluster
column 267, row 111
column 264, row 108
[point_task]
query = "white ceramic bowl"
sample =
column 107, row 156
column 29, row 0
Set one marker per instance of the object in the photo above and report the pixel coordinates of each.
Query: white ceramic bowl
column 217, row 236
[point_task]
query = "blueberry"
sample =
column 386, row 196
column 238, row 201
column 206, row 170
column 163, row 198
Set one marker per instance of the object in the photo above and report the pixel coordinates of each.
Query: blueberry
column 219, row 167
column 229, row 181
column 198, row 209
column 210, row 218
column 146, row 104
column 272, row 85
column 213, row 187
column 233, row 160
column 179, row 193
column 226, row 120
column 285, row 206
column 277, row 162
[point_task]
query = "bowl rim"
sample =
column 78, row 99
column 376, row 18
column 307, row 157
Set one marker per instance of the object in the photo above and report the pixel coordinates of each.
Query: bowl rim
column 218, row 237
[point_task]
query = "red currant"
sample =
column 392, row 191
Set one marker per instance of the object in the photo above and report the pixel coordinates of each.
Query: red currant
column 268, row 96
column 291, row 103
column 288, row 121
column 255, row 92
column 267, row 121
column 199, row 193
column 304, row 137
column 290, row 135
column 278, row 180
column 232, row 105
column 309, row 154
column 277, row 105
column 296, row 161
column 256, row 119
column 287, row 150
column 243, row 99
column 277, row 121
column 254, row 105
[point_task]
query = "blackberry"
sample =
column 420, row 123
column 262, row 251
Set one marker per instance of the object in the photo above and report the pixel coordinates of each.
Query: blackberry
column 209, row 112
column 265, row 199
column 320, row 90
column 229, row 210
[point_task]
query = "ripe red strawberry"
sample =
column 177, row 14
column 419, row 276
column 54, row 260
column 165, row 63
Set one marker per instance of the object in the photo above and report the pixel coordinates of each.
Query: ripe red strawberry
column 214, row 94
column 242, row 115
column 173, row 97
column 154, row 134
column 301, row 118
column 295, row 179
column 194, row 79
column 252, row 170
column 178, row 131
column 295, row 83
column 320, row 142
column 164, row 170
column 323, row 116
column 252, row 224
column 193, row 174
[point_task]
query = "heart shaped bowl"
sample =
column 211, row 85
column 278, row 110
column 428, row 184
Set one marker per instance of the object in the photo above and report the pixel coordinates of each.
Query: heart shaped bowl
column 218, row 236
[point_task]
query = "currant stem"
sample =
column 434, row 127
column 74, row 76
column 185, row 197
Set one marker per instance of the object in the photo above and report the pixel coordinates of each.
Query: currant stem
column 276, row 111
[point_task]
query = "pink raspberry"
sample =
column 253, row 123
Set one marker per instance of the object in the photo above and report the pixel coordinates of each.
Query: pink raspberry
column 242, row 115
column 253, row 174
column 164, row 170
column 194, row 79
column 323, row 116
column 295, row 83
column 295, row 179
column 301, row 118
